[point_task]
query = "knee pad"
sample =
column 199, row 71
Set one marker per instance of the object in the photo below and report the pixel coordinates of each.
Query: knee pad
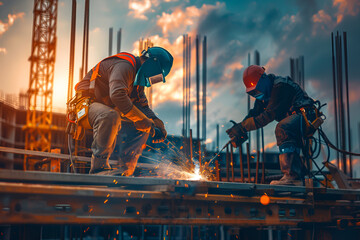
column 289, row 148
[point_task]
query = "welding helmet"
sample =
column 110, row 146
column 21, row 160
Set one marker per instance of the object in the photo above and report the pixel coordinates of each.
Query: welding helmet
column 156, row 67
column 257, row 82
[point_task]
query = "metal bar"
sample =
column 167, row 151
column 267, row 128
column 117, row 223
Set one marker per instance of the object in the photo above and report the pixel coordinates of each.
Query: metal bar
column 184, row 88
column 263, row 158
column 189, row 79
column 347, row 101
column 249, row 103
column 72, row 51
column 335, row 100
column 341, row 101
column 197, row 89
column 118, row 49
column 227, row 163
column 232, row 163
column 199, row 152
column 248, row 162
column 217, row 170
column 257, row 166
column 191, row 145
column 217, row 138
column 241, row 164
column 110, row 41
column 204, row 96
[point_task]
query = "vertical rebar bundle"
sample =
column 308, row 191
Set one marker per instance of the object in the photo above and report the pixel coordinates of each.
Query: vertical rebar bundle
column 340, row 62
column 72, row 51
column 85, row 54
column 197, row 88
column 118, row 46
column 186, row 83
column 204, row 82
column 110, row 41
column 297, row 71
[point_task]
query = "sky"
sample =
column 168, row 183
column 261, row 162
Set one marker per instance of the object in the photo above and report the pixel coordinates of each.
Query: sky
column 279, row 30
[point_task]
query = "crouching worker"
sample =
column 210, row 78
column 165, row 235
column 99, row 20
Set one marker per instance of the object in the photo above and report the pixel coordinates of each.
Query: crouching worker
column 118, row 107
column 281, row 99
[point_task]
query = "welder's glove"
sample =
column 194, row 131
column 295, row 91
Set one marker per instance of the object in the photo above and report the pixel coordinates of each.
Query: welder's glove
column 141, row 122
column 160, row 131
column 249, row 124
column 237, row 134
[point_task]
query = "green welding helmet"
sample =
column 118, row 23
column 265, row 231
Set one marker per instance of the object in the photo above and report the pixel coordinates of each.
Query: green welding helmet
column 156, row 67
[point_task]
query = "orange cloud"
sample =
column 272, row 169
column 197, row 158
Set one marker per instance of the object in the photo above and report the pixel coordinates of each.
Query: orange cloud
column 346, row 7
column 139, row 7
column 179, row 20
column 11, row 19
column 323, row 21
column 274, row 62
column 3, row 50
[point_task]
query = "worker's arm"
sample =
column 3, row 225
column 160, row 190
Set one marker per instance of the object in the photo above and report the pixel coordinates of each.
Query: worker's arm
column 142, row 103
column 119, row 75
column 279, row 104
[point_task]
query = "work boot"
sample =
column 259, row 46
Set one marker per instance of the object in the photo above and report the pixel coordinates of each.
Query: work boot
column 99, row 164
column 287, row 180
column 290, row 165
column 112, row 172
column 128, row 163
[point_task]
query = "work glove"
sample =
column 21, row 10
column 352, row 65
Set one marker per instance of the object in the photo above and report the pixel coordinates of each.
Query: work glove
column 141, row 122
column 160, row 131
column 237, row 134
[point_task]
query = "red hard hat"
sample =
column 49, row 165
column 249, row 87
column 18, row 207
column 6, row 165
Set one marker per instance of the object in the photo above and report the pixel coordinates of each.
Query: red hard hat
column 251, row 76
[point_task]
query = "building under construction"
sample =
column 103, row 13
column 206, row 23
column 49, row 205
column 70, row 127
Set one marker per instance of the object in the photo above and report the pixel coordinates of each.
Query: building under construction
column 47, row 193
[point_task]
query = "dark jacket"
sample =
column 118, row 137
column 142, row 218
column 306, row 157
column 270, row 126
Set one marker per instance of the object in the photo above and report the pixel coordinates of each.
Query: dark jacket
column 286, row 97
column 114, row 86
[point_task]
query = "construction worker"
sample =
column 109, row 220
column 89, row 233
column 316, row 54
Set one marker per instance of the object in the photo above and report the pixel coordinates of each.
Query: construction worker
column 120, row 109
column 277, row 98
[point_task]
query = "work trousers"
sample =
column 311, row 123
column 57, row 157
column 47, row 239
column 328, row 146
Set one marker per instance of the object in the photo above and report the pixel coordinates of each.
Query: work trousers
column 289, row 132
column 110, row 131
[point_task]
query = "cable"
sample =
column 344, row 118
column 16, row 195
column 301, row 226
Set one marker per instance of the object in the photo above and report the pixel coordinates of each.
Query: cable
column 70, row 152
column 326, row 139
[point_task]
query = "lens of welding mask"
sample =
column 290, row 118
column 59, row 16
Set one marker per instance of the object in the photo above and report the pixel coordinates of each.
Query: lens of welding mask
column 156, row 79
column 262, row 90
column 149, row 73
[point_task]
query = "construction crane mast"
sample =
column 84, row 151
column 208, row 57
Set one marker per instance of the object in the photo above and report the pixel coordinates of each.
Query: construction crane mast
column 40, row 92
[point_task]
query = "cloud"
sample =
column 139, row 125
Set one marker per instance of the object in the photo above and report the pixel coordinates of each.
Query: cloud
column 139, row 7
column 1, row 3
column 180, row 20
column 323, row 21
column 3, row 50
column 346, row 7
column 11, row 19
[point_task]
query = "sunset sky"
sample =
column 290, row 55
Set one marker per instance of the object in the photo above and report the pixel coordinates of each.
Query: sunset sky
column 277, row 29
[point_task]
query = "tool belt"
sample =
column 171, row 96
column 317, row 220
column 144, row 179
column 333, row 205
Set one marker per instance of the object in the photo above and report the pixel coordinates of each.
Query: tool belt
column 77, row 117
column 313, row 119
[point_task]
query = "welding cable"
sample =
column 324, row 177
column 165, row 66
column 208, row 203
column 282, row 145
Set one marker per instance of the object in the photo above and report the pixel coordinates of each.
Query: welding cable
column 326, row 139
column 70, row 152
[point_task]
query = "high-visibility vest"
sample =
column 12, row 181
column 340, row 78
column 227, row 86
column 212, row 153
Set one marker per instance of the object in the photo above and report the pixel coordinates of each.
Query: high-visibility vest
column 90, row 84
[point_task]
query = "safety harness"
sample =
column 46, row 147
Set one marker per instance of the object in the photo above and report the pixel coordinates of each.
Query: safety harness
column 78, row 106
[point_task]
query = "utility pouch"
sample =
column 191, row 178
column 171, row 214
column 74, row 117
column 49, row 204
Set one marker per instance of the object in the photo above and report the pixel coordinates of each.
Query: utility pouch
column 78, row 115
column 312, row 126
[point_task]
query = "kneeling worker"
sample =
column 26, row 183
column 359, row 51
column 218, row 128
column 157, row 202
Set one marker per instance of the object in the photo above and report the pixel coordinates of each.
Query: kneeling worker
column 119, row 107
column 280, row 99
